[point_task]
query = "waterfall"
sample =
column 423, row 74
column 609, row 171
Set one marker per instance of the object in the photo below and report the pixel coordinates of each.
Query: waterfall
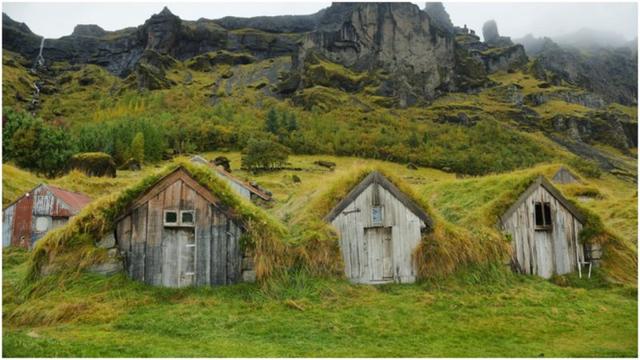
column 40, row 59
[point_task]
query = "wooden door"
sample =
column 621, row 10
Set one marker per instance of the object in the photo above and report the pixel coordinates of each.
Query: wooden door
column 544, row 253
column 178, row 257
column 379, row 244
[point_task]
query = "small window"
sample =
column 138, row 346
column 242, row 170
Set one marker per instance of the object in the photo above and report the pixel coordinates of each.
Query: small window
column 543, row 215
column 376, row 215
column 187, row 218
column 170, row 217
column 42, row 224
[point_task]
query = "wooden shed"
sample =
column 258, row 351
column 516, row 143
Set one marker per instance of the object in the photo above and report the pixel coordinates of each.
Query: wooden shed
column 564, row 176
column 379, row 228
column 242, row 188
column 37, row 212
column 178, row 234
column 544, row 228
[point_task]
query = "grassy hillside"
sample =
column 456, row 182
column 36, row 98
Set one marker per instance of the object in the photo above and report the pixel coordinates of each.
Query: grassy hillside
column 497, row 315
column 222, row 106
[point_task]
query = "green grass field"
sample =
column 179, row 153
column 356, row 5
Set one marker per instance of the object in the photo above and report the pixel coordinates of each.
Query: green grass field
column 498, row 314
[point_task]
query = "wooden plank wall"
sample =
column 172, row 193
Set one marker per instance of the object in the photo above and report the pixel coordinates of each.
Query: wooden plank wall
column 544, row 253
column 358, row 254
column 152, row 253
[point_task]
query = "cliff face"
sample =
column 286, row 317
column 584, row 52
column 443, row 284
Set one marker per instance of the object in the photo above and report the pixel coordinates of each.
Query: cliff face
column 398, row 38
column 119, row 51
column 611, row 73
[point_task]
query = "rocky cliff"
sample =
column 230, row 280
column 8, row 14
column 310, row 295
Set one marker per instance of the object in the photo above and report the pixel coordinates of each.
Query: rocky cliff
column 416, row 57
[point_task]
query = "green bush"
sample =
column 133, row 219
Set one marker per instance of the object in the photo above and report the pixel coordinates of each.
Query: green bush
column 264, row 154
column 34, row 144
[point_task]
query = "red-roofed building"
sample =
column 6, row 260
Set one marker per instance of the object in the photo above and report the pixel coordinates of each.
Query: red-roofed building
column 37, row 212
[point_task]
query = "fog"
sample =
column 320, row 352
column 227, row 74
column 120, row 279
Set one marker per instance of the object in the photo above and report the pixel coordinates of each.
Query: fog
column 514, row 19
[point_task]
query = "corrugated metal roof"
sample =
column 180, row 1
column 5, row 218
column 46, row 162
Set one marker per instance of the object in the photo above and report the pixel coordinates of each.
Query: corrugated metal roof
column 246, row 185
column 75, row 200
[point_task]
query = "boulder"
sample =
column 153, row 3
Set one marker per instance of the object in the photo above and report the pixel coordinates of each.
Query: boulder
column 107, row 268
column 107, row 242
column 327, row 164
column 249, row 276
column 224, row 162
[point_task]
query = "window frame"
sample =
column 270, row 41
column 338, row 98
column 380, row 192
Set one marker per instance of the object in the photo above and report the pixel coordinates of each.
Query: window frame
column 546, row 216
column 377, row 223
column 193, row 218
column 164, row 218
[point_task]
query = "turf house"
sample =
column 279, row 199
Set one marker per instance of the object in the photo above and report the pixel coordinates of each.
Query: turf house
column 544, row 228
column 379, row 228
column 37, row 212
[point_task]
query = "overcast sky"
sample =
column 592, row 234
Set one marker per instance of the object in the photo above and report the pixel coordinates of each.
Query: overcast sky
column 514, row 19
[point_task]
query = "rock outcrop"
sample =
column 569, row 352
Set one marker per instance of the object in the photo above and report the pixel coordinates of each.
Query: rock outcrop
column 609, row 72
column 492, row 36
column 439, row 16
column 416, row 57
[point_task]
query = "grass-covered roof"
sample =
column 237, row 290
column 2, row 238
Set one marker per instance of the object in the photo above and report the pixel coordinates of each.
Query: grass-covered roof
column 72, row 247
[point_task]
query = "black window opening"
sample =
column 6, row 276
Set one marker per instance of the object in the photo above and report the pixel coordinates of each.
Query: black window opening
column 187, row 218
column 170, row 217
column 174, row 218
column 543, row 215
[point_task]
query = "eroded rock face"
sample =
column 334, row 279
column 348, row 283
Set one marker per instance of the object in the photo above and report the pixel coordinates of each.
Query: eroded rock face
column 396, row 37
column 605, row 127
column 610, row 73
column 439, row 16
column 504, row 59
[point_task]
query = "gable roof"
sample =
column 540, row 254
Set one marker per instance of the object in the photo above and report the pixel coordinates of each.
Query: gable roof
column 378, row 178
column 543, row 182
column 180, row 173
column 75, row 200
column 252, row 189
column 557, row 177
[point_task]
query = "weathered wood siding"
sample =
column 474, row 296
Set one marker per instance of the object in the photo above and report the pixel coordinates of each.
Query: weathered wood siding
column 544, row 252
column 239, row 189
column 378, row 253
column 207, row 254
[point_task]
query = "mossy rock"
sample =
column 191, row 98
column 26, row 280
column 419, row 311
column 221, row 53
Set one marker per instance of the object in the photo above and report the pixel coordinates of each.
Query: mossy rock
column 207, row 62
column 93, row 164
column 320, row 98
column 132, row 165
column 322, row 72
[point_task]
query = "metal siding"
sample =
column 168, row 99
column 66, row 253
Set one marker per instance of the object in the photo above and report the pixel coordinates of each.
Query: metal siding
column 7, row 225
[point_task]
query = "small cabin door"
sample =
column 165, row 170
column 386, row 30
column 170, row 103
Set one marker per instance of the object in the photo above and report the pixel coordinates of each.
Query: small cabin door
column 380, row 248
column 179, row 255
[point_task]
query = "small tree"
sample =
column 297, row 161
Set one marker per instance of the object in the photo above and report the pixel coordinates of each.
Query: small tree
column 292, row 123
column 271, row 124
column 137, row 147
column 264, row 154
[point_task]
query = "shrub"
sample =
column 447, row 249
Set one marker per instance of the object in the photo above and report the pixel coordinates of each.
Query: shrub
column 264, row 154
column 35, row 145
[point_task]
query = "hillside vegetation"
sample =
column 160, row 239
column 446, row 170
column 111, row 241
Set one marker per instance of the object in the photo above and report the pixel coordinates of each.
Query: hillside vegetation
column 224, row 106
